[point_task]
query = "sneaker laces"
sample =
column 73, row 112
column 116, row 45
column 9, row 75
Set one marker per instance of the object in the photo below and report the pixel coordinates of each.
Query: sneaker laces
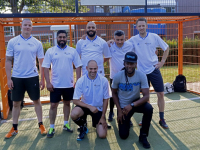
column 67, row 125
column 50, row 130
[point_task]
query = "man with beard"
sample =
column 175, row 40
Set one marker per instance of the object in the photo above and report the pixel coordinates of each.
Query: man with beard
column 126, row 88
column 24, row 49
column 61, row 59
column 93, row 47
column 94, row 90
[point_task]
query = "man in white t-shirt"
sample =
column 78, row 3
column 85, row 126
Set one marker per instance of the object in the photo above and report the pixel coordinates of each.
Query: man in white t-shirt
column 93, row 48
column 61, row 59
column 24, row 49
column 94, row 91
column 145, row 45
column 118, row 51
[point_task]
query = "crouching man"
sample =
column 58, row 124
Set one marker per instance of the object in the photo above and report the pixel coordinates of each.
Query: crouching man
column 93, row 89
column 126, row 88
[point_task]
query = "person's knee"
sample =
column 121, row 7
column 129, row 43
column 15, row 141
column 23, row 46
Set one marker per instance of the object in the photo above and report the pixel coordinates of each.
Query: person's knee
column 102, row 135
column 67, row 103
column 74, row 114
column 16, row 104
column 54, row 105
column 123, row 135
column 160, row 95
column 149, row 109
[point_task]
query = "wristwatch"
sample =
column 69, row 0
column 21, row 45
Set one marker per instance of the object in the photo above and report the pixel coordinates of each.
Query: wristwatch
column 132, row 104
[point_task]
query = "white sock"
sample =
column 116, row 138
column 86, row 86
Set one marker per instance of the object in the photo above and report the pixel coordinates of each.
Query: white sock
column 65, row 122
column 51, row 125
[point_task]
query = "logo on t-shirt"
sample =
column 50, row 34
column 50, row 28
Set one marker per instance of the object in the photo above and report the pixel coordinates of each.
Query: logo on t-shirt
column 147, row 43
column 128, row 87
column 138, row 43
column 96, row 45
column 18, row 44
column 31, row 45
column 56, row 54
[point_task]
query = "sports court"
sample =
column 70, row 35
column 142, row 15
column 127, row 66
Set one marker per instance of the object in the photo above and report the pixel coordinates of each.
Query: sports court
column 176, row 21
column 182, row 114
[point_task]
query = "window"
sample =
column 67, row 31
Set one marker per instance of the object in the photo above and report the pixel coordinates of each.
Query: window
column 9, row 31
column 44, row 37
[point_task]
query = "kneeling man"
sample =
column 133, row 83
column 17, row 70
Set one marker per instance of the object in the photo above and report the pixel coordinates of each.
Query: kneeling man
column 126, row 88
column 93, row 89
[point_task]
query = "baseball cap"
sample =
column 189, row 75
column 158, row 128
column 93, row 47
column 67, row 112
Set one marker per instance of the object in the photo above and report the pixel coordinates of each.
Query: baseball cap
column 130, row 57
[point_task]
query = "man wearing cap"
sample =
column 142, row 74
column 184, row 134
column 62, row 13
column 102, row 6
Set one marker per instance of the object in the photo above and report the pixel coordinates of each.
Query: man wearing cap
column 126, row 88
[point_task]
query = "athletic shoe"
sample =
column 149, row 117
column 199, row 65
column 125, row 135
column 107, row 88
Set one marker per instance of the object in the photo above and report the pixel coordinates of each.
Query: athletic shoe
column 51, row 133
column 140, row 123
column 78, row 129
column 163, row 124
column 11, row 133
column 110, row 117
column 143, row 140
column 42, row 129
column 83, row 131
column 108, row 126
column 67, row 128
column 131, row 124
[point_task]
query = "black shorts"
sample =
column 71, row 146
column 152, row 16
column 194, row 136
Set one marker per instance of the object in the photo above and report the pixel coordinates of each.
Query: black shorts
column 31, row 85
column 156, row 80
column 66, row 93
column 95, row 116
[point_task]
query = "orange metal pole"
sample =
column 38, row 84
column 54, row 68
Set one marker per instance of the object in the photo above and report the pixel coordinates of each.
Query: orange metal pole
column 180, row 48
column 70, row 34
column 3, row 79
column 129, row 31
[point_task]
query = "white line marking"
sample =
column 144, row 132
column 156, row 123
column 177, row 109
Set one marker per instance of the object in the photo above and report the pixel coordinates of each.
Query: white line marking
column 172, row 101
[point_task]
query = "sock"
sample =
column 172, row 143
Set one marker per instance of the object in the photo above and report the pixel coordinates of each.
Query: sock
column 15, row 126
column 51, row 125
column 40, row 123
column 80, row 122
column 65, row 122
column 161, row 115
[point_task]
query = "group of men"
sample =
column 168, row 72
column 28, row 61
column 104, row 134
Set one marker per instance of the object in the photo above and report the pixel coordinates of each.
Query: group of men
column 92, row 91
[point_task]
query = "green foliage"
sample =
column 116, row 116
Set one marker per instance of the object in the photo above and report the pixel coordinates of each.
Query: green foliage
column 41, row 6
column 46, row 46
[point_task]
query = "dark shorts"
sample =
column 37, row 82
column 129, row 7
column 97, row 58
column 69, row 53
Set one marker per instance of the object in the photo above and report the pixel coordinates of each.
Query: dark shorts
column 66, row 93
column 95, row 116
column 31, row 85
column 156, row 80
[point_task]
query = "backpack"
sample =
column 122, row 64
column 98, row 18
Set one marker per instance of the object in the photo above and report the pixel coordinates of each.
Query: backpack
column 10, row 102
column 180, row 84
column 168, row 88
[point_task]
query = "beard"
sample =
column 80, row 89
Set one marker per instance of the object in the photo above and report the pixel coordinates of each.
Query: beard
column 130, row 72
column 61, row 44
column 91, row 35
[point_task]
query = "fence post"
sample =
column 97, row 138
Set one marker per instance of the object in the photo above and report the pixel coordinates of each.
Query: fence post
column 180, row 48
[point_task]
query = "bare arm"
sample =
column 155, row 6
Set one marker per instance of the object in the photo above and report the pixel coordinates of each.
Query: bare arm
column 78, row 73
column 144, row 99
column 8, row 67
column 164, row 57
column 42, row 83
column 110, row 42
column 49, row 85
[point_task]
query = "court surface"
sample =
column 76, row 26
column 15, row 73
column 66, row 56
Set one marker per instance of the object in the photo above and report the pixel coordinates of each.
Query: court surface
column 182, row 114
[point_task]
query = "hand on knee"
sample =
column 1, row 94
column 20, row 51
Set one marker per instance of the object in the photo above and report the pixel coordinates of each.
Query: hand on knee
column 102, row 136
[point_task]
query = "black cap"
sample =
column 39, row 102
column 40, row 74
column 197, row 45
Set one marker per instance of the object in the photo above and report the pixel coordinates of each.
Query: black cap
column 130, row 57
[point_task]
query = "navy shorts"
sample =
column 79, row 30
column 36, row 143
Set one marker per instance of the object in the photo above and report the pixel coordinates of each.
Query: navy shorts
column 66, row 93
column 95, row 116
column 156, row 80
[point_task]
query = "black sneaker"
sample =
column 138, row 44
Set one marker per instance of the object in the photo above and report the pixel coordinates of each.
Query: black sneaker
column 51, row 133
column 83, row 131
column 131, row 124
column 163, row 124
column 110, row 117
column 78, row 129
column 67, row 128
column 144, row 142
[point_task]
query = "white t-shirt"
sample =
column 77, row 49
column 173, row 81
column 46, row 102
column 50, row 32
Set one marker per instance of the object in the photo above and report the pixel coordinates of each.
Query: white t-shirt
column 93, row 50
column 117, row 59
column 24, row 52
column 145, row 49
column 92, row 91
column 61, row 65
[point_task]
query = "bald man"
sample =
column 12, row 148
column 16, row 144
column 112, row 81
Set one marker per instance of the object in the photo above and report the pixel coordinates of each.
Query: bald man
column 93, row 47
column 95, row 92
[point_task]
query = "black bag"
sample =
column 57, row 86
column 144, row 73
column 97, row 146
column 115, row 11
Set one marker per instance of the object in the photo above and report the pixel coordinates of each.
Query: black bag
column 180, row 84
column 10, row 102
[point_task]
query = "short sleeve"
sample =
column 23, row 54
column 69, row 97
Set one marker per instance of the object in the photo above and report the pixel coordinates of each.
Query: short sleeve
column 115, row 82
column 106, row 90
column 77, row 61
column 106, row 50
column 47, row 59
column 10, row 49
column 78, row 47
column 132, row 43
column 144, row 82
column 161, row 43
column 78, row 90
column 40, row 51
